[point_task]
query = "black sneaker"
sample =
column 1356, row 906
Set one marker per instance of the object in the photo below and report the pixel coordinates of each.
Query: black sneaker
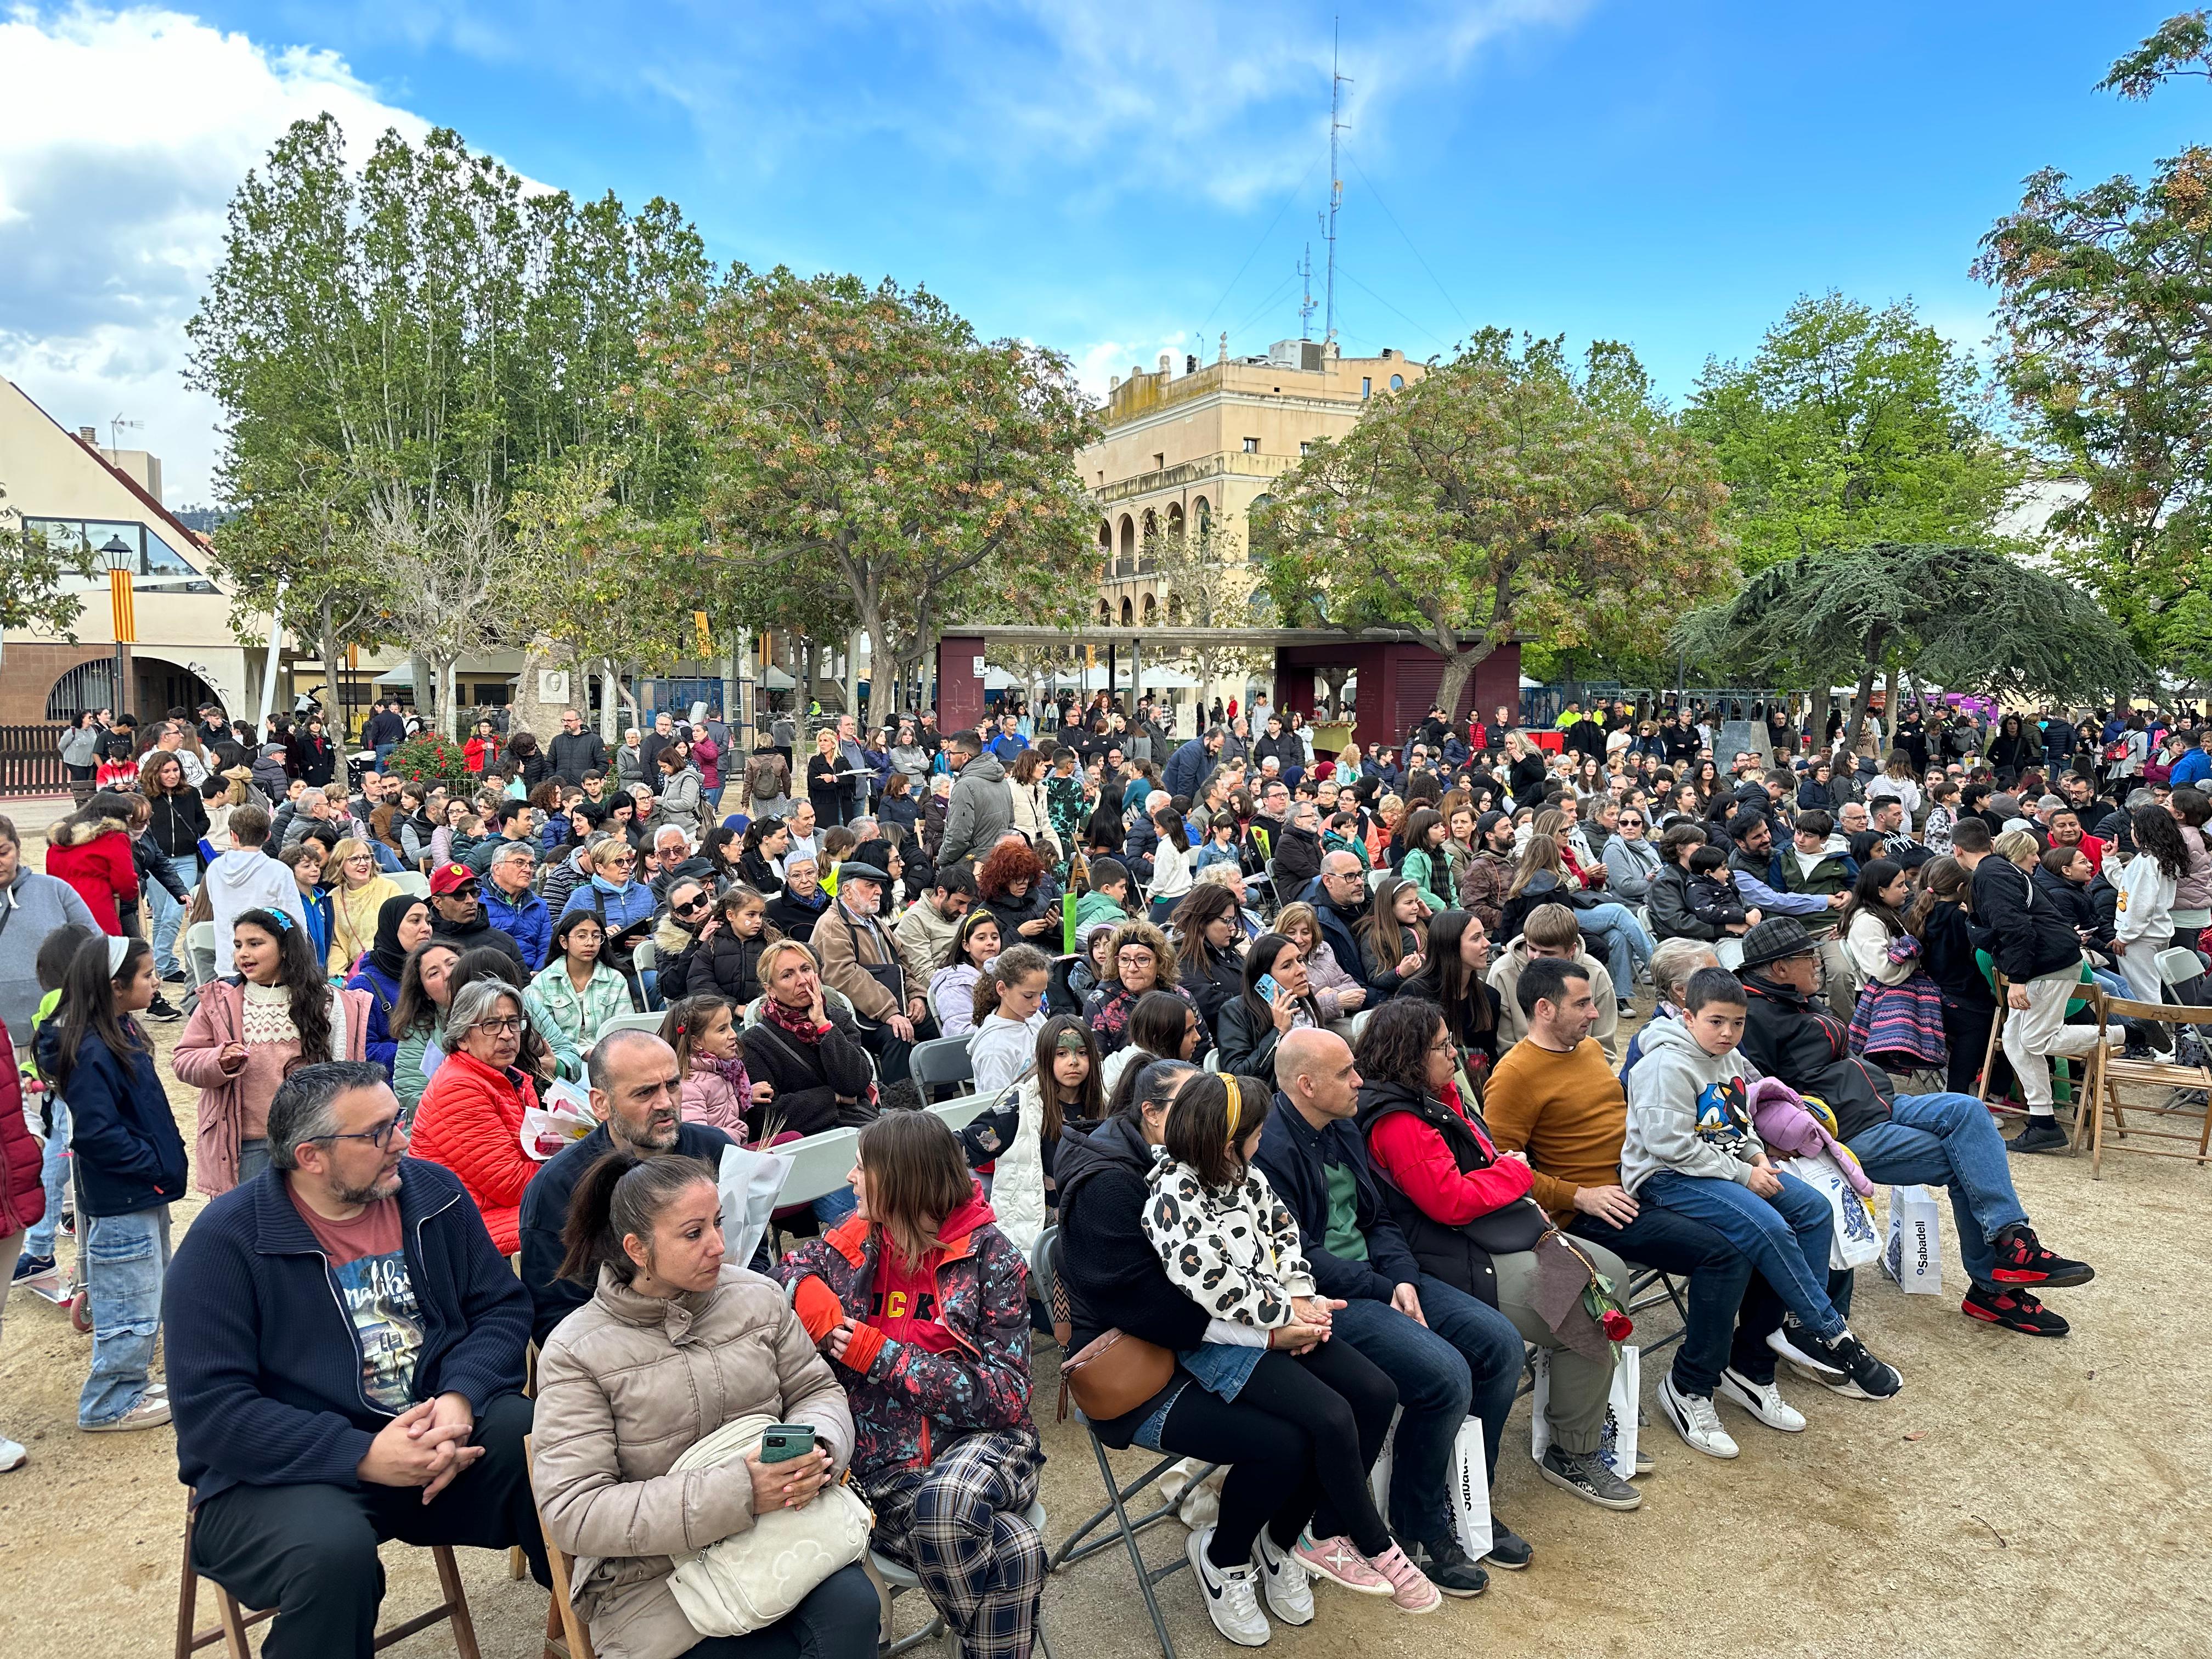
column 1588, row 1476
column 1807, row 1357
column 30, row 1266
column 161, row 1011
column 2042, row 1134
column 1445, row 1565
column 2022, row 1259
column 2015, row 1309
column 1861, row 1376
column 1507, row 1549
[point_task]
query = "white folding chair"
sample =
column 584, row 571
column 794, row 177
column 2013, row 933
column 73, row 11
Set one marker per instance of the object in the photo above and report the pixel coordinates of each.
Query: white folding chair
column 819, row 1165
column 961, row 1110
column 631, row 1023
column 940, row 1061
column 413, row 882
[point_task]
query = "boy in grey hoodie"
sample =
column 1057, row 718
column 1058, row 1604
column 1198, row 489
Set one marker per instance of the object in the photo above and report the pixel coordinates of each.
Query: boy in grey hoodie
column 1690, row 1147
column 244, row 879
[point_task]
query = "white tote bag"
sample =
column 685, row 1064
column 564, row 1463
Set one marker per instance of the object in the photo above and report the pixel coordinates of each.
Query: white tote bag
column 1622, row 1409
column 1854, row 1242
column 749, row 1182
column 1913, row 1256
column 1467, row 1484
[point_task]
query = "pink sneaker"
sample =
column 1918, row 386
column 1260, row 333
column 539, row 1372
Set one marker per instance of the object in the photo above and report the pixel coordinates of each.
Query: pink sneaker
column 1336, row 1560
column 1410, row 1589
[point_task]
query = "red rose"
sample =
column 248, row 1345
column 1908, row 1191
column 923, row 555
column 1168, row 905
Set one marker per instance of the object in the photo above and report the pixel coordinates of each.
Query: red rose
column 1619, row 1326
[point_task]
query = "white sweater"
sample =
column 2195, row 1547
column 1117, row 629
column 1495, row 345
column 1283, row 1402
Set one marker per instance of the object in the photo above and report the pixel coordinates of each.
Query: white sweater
column 1867, row 942
column 2146, row 905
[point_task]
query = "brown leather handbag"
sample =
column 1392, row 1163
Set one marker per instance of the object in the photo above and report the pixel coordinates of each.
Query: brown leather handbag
column 1115, row 1373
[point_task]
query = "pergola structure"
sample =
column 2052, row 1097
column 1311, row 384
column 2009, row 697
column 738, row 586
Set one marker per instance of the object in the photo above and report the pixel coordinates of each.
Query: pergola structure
column 1399, row 674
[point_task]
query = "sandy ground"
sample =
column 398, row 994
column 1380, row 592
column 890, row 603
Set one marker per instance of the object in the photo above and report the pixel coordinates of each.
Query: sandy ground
column 2020, row 1497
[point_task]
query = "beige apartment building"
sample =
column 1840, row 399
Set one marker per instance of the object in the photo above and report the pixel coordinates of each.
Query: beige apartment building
column 1186, row 456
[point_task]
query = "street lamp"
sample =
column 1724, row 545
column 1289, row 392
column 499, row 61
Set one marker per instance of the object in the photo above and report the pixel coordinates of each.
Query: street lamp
column 120, row 557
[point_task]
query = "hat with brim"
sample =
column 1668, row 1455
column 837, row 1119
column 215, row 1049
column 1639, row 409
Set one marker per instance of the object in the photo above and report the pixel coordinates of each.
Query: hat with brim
column 1777, row 940
column 851, row 870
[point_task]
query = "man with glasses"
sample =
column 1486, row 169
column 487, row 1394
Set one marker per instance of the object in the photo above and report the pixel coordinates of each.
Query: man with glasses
column 637, row 1095
column 575, row 751
column 345, row 1364
column 510, row 907
column 1339, row 897
column 860, row 959
column 457, row 915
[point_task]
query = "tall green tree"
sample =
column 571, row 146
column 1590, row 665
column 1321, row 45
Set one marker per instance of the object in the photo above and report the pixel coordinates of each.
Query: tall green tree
column 1852, row 425
column 1507, row 493
column 2105, row 302
column 423, row 328
column 867, row 434
column 1967, row 618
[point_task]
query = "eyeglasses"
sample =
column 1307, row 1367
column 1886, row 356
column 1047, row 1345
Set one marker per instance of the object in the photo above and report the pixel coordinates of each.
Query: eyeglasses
column 684, row 908
column 507, row 1025
column 380, row 1137
column 1132, row 956
column 1443, row 1046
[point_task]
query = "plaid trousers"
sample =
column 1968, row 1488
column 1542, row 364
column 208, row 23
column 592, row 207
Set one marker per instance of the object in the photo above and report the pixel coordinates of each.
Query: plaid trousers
column 959, row 1525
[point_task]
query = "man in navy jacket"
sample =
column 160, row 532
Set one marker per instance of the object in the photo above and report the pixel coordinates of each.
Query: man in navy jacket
column 1448, row 1353
column 345, row 1350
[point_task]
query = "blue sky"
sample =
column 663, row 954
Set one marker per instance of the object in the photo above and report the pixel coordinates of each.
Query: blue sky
column 1111, row 180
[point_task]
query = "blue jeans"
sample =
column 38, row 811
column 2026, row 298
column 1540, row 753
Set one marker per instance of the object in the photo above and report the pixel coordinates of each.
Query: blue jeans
column 383, row 753
column 168, row 914
column 124, row 1259
column 1786, row 1237
column 387, row 860
column 831, row 1208
column 1947, row 1140
column 53, row 1176
column 1465, row 1362
column 1627, row 946
column 1718, row 1274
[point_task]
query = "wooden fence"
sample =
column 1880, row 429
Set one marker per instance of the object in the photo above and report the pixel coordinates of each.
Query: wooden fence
column 31, row 762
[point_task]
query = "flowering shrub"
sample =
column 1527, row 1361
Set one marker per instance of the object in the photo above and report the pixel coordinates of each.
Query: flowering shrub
column 429, row 759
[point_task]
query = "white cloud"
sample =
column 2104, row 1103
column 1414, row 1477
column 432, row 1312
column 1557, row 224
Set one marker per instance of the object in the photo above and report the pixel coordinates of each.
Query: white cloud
column 1097, row 363
column 122, row 136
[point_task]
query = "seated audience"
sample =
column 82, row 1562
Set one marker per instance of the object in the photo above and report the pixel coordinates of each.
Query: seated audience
column 1009, row 1012
column 470, row 1118
column 1553, row 931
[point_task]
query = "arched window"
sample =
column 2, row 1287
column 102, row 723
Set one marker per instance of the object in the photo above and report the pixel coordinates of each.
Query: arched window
column 1106, row 538
column 1397, row 383
column 1174, row 610
column 1105, row 616
column 1253, row 555
column 1174, row 518
column 1151, row 610
column 1202, row 510
column 1151, row 527
column 1129, row 614
column 1129, row 536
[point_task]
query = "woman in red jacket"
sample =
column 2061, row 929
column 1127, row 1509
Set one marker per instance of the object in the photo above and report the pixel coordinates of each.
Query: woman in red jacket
column 470, row 1118
column 23, row 1198
column 91, row 851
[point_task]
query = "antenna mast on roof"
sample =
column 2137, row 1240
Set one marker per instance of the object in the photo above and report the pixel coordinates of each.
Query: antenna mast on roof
column 1336, row 83
column 1306, row 304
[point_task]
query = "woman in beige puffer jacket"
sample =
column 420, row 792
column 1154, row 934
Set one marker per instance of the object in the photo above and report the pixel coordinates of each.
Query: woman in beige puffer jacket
column 672, row 1344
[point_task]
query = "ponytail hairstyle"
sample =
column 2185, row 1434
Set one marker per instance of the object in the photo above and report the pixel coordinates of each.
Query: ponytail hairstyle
column 622, row 1196
column 87, row 1005
column 1014, row 965
column 686, row 1018
column 300, row 973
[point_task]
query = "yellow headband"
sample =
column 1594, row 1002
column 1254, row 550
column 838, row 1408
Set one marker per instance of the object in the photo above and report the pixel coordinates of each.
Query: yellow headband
column 1235, row 1104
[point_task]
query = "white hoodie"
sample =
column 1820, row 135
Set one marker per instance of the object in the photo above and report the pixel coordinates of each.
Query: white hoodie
column 248, row 879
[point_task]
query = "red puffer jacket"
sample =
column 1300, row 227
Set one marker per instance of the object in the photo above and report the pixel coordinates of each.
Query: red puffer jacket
column 471, row 1120
column 93, row 856
column 22, row 1198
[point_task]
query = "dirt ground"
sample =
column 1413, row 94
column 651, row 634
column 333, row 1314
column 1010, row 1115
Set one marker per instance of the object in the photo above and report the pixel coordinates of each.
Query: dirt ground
column 2021, row 1498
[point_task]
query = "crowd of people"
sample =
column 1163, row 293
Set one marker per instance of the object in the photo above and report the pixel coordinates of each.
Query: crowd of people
column 1314, row 1061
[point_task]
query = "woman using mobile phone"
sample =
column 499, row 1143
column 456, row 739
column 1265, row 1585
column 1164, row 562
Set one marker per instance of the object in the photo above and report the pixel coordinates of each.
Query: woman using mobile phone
column 1275, row 1000
column 1008, row 882
column 922, row 1305
column 618, row 1400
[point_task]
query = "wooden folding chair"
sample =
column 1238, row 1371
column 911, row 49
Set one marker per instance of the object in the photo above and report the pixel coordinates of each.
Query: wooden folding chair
column 236, row 1621
column 566, row 1635
column 2061, row 1084
column 2109, row 1070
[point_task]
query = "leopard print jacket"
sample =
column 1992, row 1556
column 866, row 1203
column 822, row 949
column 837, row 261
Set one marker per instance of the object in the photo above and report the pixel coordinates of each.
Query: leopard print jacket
column 1234, row 1251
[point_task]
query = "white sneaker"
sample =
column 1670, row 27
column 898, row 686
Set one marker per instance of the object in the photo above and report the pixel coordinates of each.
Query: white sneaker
column 1232, row 1600
column 1695, row 1420
column 1286, row 1582
column 1763, row 1401
column 12, row 1455
column 151, row 1412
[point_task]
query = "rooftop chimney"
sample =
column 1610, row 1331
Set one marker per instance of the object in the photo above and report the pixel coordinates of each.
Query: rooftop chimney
column 89, row 433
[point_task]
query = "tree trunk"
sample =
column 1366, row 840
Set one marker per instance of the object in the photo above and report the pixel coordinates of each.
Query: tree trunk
column 1819, row 717
column 1864, row 691
column 327, row 643
column 1889, row 710
column 1459, row 668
